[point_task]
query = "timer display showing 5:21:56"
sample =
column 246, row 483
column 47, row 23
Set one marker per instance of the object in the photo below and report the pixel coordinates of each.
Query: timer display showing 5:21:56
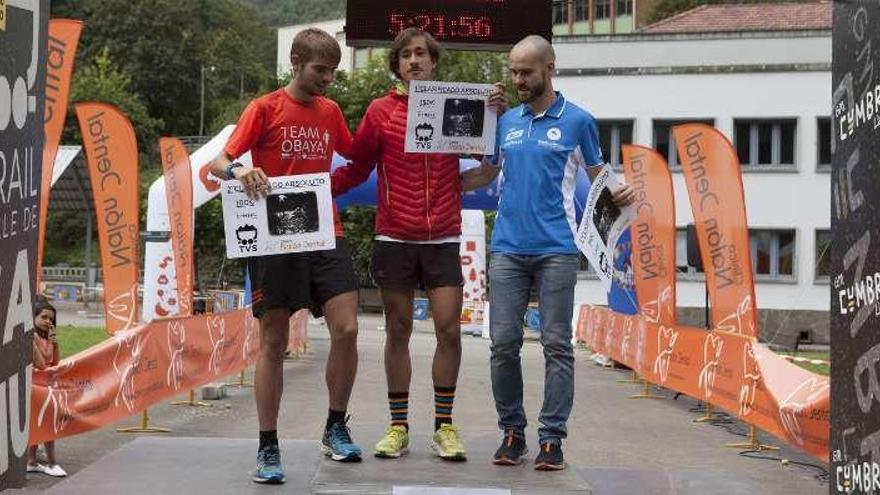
column 443, row 26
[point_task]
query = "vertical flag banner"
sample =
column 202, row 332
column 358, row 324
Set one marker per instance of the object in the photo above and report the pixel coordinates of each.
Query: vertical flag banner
column 63, row 39
column 714, row 181
column 112, row 156
column 653, row 232
column 179, row 194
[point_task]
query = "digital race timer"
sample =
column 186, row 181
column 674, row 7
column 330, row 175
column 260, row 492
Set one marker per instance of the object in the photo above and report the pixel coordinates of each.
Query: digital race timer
column 476, row 24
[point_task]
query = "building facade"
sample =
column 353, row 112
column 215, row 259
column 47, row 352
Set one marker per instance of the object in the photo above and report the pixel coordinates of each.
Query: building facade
column 768, row 89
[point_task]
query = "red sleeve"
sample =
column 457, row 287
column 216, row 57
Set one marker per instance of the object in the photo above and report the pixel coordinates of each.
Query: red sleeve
column 246, row 132
column 363, row 156
column 343, row 135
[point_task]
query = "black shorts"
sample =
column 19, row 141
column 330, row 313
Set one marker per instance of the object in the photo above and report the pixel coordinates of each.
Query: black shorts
column 301, row 280
column 406, row 265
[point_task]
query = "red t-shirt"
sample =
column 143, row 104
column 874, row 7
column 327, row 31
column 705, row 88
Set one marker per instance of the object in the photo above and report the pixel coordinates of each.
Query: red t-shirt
column 288, row 137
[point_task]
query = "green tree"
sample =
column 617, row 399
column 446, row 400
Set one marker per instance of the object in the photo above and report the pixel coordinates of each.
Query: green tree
column 165, row 45
column 290, row 12
column 354, row 91
column 147, row 57
column 103, row 81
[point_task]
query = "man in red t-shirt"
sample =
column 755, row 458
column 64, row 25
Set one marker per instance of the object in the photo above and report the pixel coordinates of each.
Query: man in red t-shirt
column 294, row 130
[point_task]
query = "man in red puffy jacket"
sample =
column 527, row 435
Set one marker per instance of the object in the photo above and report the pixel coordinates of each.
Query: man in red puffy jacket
column 418, row 232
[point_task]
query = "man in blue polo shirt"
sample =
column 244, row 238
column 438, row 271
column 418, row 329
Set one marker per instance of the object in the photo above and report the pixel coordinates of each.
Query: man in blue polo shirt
column 541, row 144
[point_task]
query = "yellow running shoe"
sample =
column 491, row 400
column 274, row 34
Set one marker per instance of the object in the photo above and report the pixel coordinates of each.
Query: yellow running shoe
column 394, row 444
column 447, row 444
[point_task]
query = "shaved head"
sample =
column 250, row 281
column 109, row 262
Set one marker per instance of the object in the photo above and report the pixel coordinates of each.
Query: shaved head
column 534, row 46
column 532, row 64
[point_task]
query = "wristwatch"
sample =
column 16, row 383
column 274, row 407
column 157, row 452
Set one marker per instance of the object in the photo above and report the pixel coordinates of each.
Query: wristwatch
column 230, row 167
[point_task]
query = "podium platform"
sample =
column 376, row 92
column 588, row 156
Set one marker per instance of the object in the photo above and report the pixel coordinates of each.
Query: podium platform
column 151, row 465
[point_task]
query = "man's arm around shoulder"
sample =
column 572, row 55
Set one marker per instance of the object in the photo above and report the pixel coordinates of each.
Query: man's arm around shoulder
column 479, row 176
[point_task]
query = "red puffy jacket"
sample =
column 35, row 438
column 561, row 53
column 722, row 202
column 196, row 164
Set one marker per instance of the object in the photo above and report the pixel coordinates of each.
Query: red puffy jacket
column 419, row 193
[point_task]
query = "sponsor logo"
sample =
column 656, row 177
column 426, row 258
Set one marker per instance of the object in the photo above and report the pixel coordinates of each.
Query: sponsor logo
column 734, row 322
column 751, row 377
column 122, row 307
column 627, row 338
column 797, row 403
column 514, row 134
column 249, row 342
column 129, row 350
column 864, row 292
column 712, row 347
column 864, row 477
column 666, row 339
column 217, row 334
column 424, row 136
column 56, row 399
column 304, row 143
column 246, row 235
column 653, row 310
column 176, row 339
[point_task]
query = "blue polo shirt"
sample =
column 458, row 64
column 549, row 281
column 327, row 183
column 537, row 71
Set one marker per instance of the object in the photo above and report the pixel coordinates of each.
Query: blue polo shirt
column 540, row 157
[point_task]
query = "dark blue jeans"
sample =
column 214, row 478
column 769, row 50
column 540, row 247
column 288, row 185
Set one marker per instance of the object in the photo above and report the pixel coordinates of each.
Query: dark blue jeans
column 510, row 278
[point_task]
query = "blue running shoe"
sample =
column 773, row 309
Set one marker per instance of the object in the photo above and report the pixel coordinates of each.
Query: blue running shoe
column 338, row 445
column 269, row 466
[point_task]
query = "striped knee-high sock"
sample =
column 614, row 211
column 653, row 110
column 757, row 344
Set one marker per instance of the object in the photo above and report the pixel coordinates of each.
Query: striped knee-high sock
column 398, row 402
column 443, row 399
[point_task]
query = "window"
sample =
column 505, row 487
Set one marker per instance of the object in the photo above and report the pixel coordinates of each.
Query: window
column 624, row 7
column 613, row 134
column 822, row 255
column 823, row 145
column 581, row 10
column 773, row 253
column 560, row 12
column 361, row 57
column 681, row 257
column 765, row 142
column 603, row 9
column 664, row 142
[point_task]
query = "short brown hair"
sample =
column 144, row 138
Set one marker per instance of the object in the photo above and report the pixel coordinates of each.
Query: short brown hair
column 403, row 38
column 312, row 43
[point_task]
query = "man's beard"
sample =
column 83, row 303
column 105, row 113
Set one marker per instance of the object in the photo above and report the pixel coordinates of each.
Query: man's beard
column 535, row 92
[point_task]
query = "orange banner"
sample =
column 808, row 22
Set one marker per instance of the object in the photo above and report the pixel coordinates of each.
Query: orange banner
column 111, row 150
column 179, row 194
column 653, row 232
column 139, row 367
column 730, row 371
column 714, row 183
column 63, row 39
